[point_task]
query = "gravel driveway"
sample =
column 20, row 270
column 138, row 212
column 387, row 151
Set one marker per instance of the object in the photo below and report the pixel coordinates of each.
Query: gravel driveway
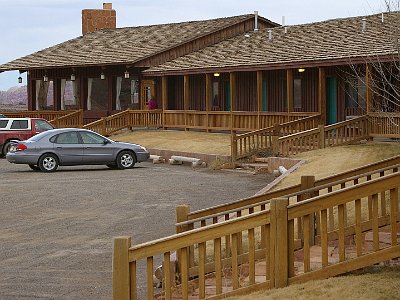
column 56, row 230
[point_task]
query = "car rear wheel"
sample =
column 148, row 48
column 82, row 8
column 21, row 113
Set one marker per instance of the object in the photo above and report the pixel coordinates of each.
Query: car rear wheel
column 126, row 160
column 6, row 148
column 48, row 162
column 34, row 168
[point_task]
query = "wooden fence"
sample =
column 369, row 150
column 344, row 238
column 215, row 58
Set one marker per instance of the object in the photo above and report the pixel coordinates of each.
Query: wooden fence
column 71, row 120
column 48, row 115
column 244, row 144
column 311, row 138
column 126, row 119
column 280, row 240
column 384, row 125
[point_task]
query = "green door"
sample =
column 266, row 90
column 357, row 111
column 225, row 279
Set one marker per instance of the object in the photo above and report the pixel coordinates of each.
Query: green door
column 227, row 91
column 264, row 95
column 331, row 100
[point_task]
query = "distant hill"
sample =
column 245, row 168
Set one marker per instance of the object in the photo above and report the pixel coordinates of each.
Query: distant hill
column 17, row 95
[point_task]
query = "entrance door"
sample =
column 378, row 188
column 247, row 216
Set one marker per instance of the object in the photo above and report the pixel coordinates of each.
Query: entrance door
column 331, row 100
column 147, row 92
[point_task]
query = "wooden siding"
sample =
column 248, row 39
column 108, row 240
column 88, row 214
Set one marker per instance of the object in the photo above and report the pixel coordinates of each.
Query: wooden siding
column 246, row 91
column 175, row 93
column 276, row 91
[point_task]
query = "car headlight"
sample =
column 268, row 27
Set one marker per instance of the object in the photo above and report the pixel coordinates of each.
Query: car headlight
column 143, row 148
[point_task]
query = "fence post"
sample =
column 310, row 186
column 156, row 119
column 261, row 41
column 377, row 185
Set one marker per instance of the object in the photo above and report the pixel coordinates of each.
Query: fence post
column 308, row 182
column 120, row 269
column 233, row 147
column 321, row 136
column 275, row 145
column 279, row 246
column 182, row 212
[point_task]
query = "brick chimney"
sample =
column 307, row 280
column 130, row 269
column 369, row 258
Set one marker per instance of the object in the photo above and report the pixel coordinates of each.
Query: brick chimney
column 96, row 19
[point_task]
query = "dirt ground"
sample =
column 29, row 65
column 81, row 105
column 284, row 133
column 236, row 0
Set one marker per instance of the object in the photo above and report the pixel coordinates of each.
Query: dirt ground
column 56, row 230
column 192, row 141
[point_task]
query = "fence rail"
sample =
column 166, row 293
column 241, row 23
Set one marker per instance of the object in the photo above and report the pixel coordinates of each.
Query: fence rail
column 277, row 226
column 44, row 114
column 71, row 120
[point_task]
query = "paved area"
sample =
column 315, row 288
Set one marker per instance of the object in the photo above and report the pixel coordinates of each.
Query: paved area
column 56, row 230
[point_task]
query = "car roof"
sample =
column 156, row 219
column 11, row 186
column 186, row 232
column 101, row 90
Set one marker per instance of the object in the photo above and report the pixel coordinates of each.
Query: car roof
column 6, row 118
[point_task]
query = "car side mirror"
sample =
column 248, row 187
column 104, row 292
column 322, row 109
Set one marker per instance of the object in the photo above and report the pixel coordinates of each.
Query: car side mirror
column 105, row 142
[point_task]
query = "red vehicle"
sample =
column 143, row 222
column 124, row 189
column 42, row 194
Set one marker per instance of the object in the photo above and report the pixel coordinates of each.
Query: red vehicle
column 19, row 129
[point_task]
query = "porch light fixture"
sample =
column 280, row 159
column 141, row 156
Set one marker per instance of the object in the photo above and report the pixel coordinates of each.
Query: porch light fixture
column 102, row 76
column 216, row 74
column 73, row 77
column 301, row 70
column 19, row 79
column 45, row 78
column 126, row 74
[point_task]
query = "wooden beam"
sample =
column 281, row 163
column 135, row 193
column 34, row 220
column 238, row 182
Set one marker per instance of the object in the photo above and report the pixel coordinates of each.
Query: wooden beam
column 209, row 85
column 289, row 89
column 259, row 96
column 368, row 85
column 322, row 94
column 232, row 79
column 164, row 92
column 186, row 96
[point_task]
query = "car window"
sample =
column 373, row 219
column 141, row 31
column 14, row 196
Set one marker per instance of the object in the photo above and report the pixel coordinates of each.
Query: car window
column 3, row 123
column 92, row 138
column 66, row 138
column 19, row 124
column 42, row 125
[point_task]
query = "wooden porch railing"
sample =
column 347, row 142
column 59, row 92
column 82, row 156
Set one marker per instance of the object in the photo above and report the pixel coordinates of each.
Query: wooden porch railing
column 277, row 226
column 71, row 120
column 244, row 144
column 384, row 125
column 126, row 119
column 44, row 114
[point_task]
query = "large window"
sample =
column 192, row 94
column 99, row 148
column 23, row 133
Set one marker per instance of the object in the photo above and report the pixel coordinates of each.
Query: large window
column 127, row 93
column 355, row 95
column 70, row 94
column 297, row 94
column 44, row 95
column 97, row 98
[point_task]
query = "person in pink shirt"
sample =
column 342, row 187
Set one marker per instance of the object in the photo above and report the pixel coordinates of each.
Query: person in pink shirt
column 152, row 104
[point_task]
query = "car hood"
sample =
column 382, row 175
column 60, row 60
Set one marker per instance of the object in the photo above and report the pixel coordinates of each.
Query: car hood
column 128, row 144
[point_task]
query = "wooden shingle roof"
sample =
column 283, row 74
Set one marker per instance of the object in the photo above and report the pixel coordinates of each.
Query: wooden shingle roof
column 338, row 41
column 121, row 45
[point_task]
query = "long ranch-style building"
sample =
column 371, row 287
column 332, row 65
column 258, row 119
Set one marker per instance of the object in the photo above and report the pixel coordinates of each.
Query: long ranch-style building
column 237, row 73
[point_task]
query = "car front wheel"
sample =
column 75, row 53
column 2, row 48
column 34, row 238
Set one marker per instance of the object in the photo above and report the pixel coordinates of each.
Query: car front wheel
column 126, row 160
column 48, row 163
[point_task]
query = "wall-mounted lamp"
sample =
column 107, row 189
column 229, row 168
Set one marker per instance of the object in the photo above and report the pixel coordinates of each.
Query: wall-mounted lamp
column 73, row 77
column 102, row 76
column 45, row 78
column 301, row 70
column 19, row 79
column 216, row 74
column 126, row 74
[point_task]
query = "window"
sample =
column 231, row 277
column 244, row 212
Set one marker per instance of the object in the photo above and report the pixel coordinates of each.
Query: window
column 19, row 124
column 297, row 93
column 42, row 125
column 66, row 138
column 91, row 138
column 3, row 123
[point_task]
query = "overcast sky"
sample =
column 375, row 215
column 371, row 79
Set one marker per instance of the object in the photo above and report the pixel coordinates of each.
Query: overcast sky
column 27, row 26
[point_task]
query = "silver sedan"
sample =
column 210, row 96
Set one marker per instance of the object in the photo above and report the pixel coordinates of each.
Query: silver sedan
column 70, row 147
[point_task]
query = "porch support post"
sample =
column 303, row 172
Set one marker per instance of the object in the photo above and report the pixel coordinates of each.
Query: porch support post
column 31, row 93
column 111, row 98
column 208, row 97
column 56, row 94
column 289, row 88
column 259, row 97
column 232, row 79
column 368, row 86
column 164, row 97
column 186, row 96
column 322, row 94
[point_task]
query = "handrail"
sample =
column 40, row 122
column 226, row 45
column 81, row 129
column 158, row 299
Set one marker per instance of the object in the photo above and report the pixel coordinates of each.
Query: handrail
column 316, row 188
column 292, row 189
